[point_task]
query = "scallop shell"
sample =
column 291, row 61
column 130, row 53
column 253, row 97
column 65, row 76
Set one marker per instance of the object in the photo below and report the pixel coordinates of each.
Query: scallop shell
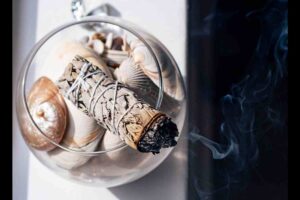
column 132, row 75
column 61, row 56
column 49, row 112
column 83, row 134
column 142, row 56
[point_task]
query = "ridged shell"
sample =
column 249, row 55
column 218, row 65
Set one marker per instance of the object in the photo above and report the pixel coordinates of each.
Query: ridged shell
column 142, row 56
column 132, row 75
column 49, row 112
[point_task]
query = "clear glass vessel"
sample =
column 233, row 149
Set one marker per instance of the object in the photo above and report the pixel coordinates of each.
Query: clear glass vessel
column 119, row 164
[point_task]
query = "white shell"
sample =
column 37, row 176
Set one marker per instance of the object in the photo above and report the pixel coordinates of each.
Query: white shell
column 98, row 46
column 82, row 134
column 132, row 75
column 49, row 112
column 109, row 141
column 61, row 56
column 141, row 55
column 125, row 46
column 109, row 40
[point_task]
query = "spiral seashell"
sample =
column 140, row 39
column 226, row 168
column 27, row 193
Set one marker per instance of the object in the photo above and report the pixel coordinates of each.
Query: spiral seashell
column 83, row 134
column 98, row 46
column 125, row 46
column 49, row 112
column 131, row 74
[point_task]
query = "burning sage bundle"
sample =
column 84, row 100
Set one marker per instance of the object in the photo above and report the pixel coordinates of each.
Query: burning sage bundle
column 116, row 107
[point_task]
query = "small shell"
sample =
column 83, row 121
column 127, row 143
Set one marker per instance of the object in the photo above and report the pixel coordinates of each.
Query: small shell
column 117, row 44
column 82, row 134
column 98, row 46
column 62, row 55
column 125, row 46
column 99, row 36
column 134, row 77
column 109, row 40
column 49, row 112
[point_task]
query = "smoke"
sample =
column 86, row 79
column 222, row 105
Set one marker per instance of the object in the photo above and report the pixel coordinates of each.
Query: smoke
column 254, row 107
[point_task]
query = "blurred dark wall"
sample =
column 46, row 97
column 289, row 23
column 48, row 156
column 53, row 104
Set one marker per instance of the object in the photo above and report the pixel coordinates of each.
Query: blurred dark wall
column 224, row 40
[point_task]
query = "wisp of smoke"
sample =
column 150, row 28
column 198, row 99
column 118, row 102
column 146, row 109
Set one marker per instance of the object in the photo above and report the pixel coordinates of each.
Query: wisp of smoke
column 251, row 108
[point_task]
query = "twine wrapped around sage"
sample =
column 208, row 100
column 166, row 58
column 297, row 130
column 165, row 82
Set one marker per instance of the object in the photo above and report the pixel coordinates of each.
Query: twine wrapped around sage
column 116, row 107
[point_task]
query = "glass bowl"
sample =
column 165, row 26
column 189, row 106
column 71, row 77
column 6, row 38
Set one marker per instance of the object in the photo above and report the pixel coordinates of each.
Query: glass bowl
column 118, row 164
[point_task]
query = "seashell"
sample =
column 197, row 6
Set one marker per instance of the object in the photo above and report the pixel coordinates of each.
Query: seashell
column 82, row 134
column 109, row 40
column 49, row 112
column 117, row 44
column 125, row 46
column 98, row 46
column 125, row 158
column 143, row 57
column 61, row 56
column 132, row 75
column 99, row 36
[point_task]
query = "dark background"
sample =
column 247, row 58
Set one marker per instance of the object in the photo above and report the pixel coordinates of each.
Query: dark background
column 227, row 41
